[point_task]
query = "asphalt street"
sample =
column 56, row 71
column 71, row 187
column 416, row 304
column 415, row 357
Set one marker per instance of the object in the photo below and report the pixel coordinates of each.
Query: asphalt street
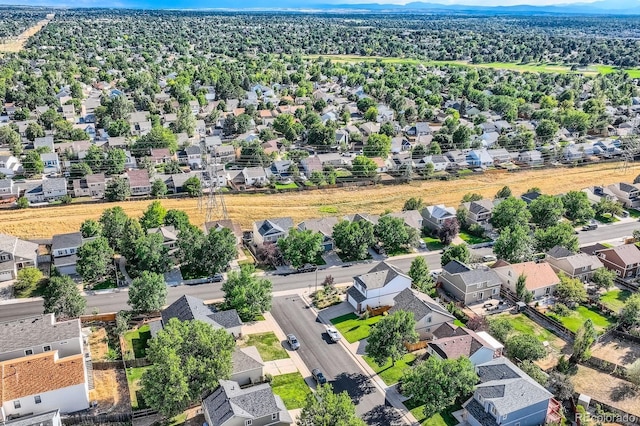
column 340, row 369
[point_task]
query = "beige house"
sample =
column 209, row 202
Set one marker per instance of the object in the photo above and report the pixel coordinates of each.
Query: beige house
column 428, row 313
column 541, row 280
column 574, row 265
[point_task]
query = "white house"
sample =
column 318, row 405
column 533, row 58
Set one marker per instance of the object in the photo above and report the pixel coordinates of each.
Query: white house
column 378, row 287
column 51, row 162
column 15, row 254
column 9, row 165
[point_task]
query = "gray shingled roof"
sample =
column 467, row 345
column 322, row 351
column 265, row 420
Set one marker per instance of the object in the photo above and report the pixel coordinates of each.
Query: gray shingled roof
column 418, row 303
column 35, row 420
column 355, row 294
column 71, row 240
column 18, row 247
column 379, row 276
column 280, row 224
column 477, row 411
column 241, row 361
column 559, row 252
column 54, row 184
column 250, row 403
column 35, row 331
column 472, row 276
column 456, row 267
column 188, row 308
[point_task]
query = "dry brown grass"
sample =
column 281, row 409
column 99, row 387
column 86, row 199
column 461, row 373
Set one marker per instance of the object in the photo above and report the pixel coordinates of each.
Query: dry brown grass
column 616, row 351
column 18, row 43
column 98, row 345
column 608, row 389
column 246, row 208
column 110, row 391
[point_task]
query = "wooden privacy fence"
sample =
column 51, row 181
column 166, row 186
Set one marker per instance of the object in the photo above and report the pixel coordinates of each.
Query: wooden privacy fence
column 98, row 317
column 77, row 419
column 416, row 346
column 374, row 312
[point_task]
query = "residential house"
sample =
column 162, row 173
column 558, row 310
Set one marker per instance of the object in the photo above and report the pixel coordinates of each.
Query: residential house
column 311, row 164
column 50, row 189
column 574, row 265
column 139, row 182
column 271, row 230
column 222, row 224
column 175, row 183
column 69, row 112
column 452, row 342
column 64, row 249
column 469, row 285
column 169, row 237
column 44, row 142
column 440, row 162
column 500, row 155
column 479, row 158
column 50, row 418
column 435, row 216
column 325, row 227
column 530, row 196
column 479, row 212
column 281, row 168
column 90, row 186
column 378, row 287
column 399, row 144
column 43, row 382
column 188, row 308
column 371, row 218
column 8, row 191
column 247, row 366
column 191, row 156
column 457, row 159
column 540, row 278
column 230, row 405
column 51, row 162
column 428, row 313
column 531, row 158
column 10, row 165
column 161, row 156
column 254, row 176
column 572, row 153
column 212, row 141
column 370, row 128
column 507, row 396
column 224, row 154
column 15, row 254
column 624, row 260
column 412, row 219
column 628, row 195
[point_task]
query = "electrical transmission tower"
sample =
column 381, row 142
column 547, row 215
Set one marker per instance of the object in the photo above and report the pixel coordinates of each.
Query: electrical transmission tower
column 630, row 149
column 214, row 206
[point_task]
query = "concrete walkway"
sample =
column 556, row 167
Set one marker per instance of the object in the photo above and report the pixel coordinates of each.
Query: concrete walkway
column 122, row 263
column 355, row 350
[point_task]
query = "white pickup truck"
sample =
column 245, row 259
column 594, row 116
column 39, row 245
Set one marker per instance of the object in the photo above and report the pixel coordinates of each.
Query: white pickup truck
column 333, row 334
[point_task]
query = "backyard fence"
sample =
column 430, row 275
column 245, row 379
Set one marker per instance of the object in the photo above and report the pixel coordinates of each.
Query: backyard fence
column 85, row 418
column 416, row 346
column 108, row 365
column 374, row 312
column 98, row 317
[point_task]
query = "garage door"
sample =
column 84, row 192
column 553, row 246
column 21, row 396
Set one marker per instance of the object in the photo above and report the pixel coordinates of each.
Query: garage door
column 6, row 276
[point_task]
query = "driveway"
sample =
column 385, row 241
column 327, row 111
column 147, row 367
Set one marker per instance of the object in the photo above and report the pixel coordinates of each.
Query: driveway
column 341, row 370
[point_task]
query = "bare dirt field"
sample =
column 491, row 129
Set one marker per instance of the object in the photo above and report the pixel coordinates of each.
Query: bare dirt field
column 607, row 389
column 18, row 43
column 616, row 351
column 246, row 208
column 98, row 345
column 110, row 391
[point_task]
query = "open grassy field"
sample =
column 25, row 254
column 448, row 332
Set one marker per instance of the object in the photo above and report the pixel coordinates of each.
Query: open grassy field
column 246, row 208
column 512, row 66
column 18, row 43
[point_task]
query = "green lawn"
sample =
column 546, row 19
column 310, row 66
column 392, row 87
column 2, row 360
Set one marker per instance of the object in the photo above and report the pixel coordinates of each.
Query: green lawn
column 133, row 379
column 34, row 291
column 268, row 345
column 433, row 243
column 607, row 245
column 633, row 213
column 614, row 299
column 354, row 328
column 392, row 374
column 291, row 388
column 458, row 323
column 137, row 340
column 606, row 218
column 291, row 185
column 472, row 239
column 109, row 283
column 525, row 325
column 441, row 419
column 342, row 173
column 574, row 321
column 328, row 209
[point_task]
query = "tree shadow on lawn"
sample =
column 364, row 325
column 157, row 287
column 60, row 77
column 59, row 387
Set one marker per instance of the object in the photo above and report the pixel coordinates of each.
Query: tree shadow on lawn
column 357, row 385
column 383, row 415
column 623, row 391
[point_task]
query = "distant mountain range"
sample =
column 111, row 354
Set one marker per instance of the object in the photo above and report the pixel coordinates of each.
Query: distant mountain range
column 605, row 7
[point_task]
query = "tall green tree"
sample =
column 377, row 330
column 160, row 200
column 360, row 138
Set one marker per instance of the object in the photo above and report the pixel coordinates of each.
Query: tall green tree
column 193, row 186
column 132, row 232
column 115, row 161
column 62, row 298
column 570, row 290
column 392, row 233
column 94, row 259
column 327, row 408
column 577, row 206
column 603, row 278
column 32, row 164
column 90, row 228
column 300, row 247
column 246, row 293
column 159, row 188
column 388, row 336
column 629, row 316
column 33, row 131
column 148, row 292
column 151, row 254
column 420, row 276
column 546, row 210
column 523, row 347
column 378, row 145
column 218, row 249
column 439, row 383
column 153, row 216
column 585, row 338
column 113, row 221
column 353, row 239
column 459, row 252
column 561, row 234
column 187, row 357
column 514, row 244
column 117, row 189
column 27, row 280
column 177, row 218
column 510, row 213
column 8, row 136
column 505, row 192
column 364, row 167
column 413, row 203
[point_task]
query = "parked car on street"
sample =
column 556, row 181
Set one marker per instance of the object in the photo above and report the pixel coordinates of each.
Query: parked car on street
column 294, row 344
column 333, row 334
column 317, row 374
column 308, row 267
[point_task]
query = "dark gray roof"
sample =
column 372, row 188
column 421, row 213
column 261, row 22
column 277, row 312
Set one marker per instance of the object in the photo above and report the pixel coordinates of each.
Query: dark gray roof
column 71, row 240
column 592, row 249
column 35, row 331
column 418, row 303
column 188, row 308
column 477, row 411
column 356, row 295
column 281, row 224
column 379, row 276
column 43, row 419
column 559, row 252
column 471, row 276
column 241, row 361
column 192, row 150
column 54, row 184
column 249, row 403
column 456, row 267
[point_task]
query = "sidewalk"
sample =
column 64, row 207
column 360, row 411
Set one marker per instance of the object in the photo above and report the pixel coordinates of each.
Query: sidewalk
column 354, row 350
